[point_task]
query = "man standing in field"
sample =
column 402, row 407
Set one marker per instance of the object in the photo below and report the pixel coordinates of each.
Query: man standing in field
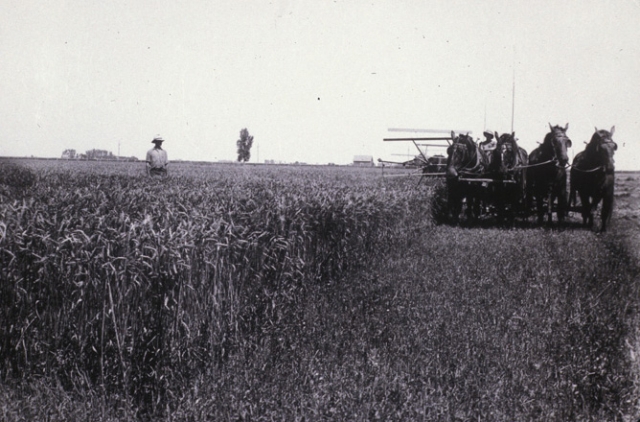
column 157, row 158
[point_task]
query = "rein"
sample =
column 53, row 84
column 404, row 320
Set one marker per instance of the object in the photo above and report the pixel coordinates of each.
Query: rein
column 553, row 160
column 587, row 171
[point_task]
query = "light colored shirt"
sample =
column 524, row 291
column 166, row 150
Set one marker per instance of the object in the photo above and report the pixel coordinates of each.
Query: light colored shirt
column 157, row 158
column 489, row 145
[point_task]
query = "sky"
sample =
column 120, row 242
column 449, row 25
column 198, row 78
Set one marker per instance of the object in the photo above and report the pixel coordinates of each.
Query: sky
column 313, row 81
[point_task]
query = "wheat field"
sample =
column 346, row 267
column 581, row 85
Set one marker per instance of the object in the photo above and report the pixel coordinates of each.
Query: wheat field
column 246, row 292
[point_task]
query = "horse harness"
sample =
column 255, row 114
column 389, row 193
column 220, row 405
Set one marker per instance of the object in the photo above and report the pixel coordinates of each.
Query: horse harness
column 599, row 168
column 553, row 159
column 478, row 163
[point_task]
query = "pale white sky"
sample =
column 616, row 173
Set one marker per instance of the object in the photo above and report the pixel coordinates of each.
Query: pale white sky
column 313, row 81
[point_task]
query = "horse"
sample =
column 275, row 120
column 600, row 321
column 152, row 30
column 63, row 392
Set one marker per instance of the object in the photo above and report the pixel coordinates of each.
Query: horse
column 547, row 174
column 464, row 158
column 508, row 167
column 593, row 177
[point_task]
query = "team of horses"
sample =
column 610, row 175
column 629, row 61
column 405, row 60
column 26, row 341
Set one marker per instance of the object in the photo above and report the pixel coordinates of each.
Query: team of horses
column 512, row 181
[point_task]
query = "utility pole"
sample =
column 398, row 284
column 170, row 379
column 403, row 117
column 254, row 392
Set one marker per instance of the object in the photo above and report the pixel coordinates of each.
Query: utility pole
column 485, row 113
column 513, row 89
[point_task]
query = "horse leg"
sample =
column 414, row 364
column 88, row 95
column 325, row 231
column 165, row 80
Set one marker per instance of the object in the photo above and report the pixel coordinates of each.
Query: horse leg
column 540, row 207
column 498, row 196
column 585, row 205
column 510, row 203
column 470, row 195
column 572, row 197
column 517, row 202
column 477, row 206
column 594, row 207
column 455, row 204
column 521, row 201
column 550, row 199
column 562, row 205
column 455, row 212
column 528, row 201
column 469, row 206
column 607, row 209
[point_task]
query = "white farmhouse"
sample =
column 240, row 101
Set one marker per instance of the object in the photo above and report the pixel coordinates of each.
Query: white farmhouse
column 363, row 160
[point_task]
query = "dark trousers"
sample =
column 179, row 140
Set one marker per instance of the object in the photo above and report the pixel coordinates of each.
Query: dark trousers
column 157, row 171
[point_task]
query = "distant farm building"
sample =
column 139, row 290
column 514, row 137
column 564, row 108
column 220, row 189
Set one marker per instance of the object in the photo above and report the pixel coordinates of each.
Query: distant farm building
column 363, row 161
column 69, row 154
column 132, row 159
column 100, row 154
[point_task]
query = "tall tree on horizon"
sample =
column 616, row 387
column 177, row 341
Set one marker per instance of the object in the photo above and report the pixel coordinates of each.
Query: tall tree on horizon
column 244, row 145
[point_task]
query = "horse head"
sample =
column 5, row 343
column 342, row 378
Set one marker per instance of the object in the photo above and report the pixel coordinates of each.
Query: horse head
column 601, row 149
column 507, row 153
column 557, row 142
column 461, row 154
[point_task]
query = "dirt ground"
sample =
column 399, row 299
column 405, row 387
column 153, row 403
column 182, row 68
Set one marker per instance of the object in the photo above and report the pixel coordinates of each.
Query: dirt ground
column 628, row 193
column 626, row 211
column 626, row 224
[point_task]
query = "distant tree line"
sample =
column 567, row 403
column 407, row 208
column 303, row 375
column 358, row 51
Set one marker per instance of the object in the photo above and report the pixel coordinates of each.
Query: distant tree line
column 94, row 154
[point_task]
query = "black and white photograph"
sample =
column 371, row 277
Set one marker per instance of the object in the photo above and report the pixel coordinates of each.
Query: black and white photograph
column 340, row 210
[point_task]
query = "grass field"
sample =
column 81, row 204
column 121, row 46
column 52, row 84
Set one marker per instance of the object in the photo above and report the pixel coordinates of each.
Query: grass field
column 229, row 292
